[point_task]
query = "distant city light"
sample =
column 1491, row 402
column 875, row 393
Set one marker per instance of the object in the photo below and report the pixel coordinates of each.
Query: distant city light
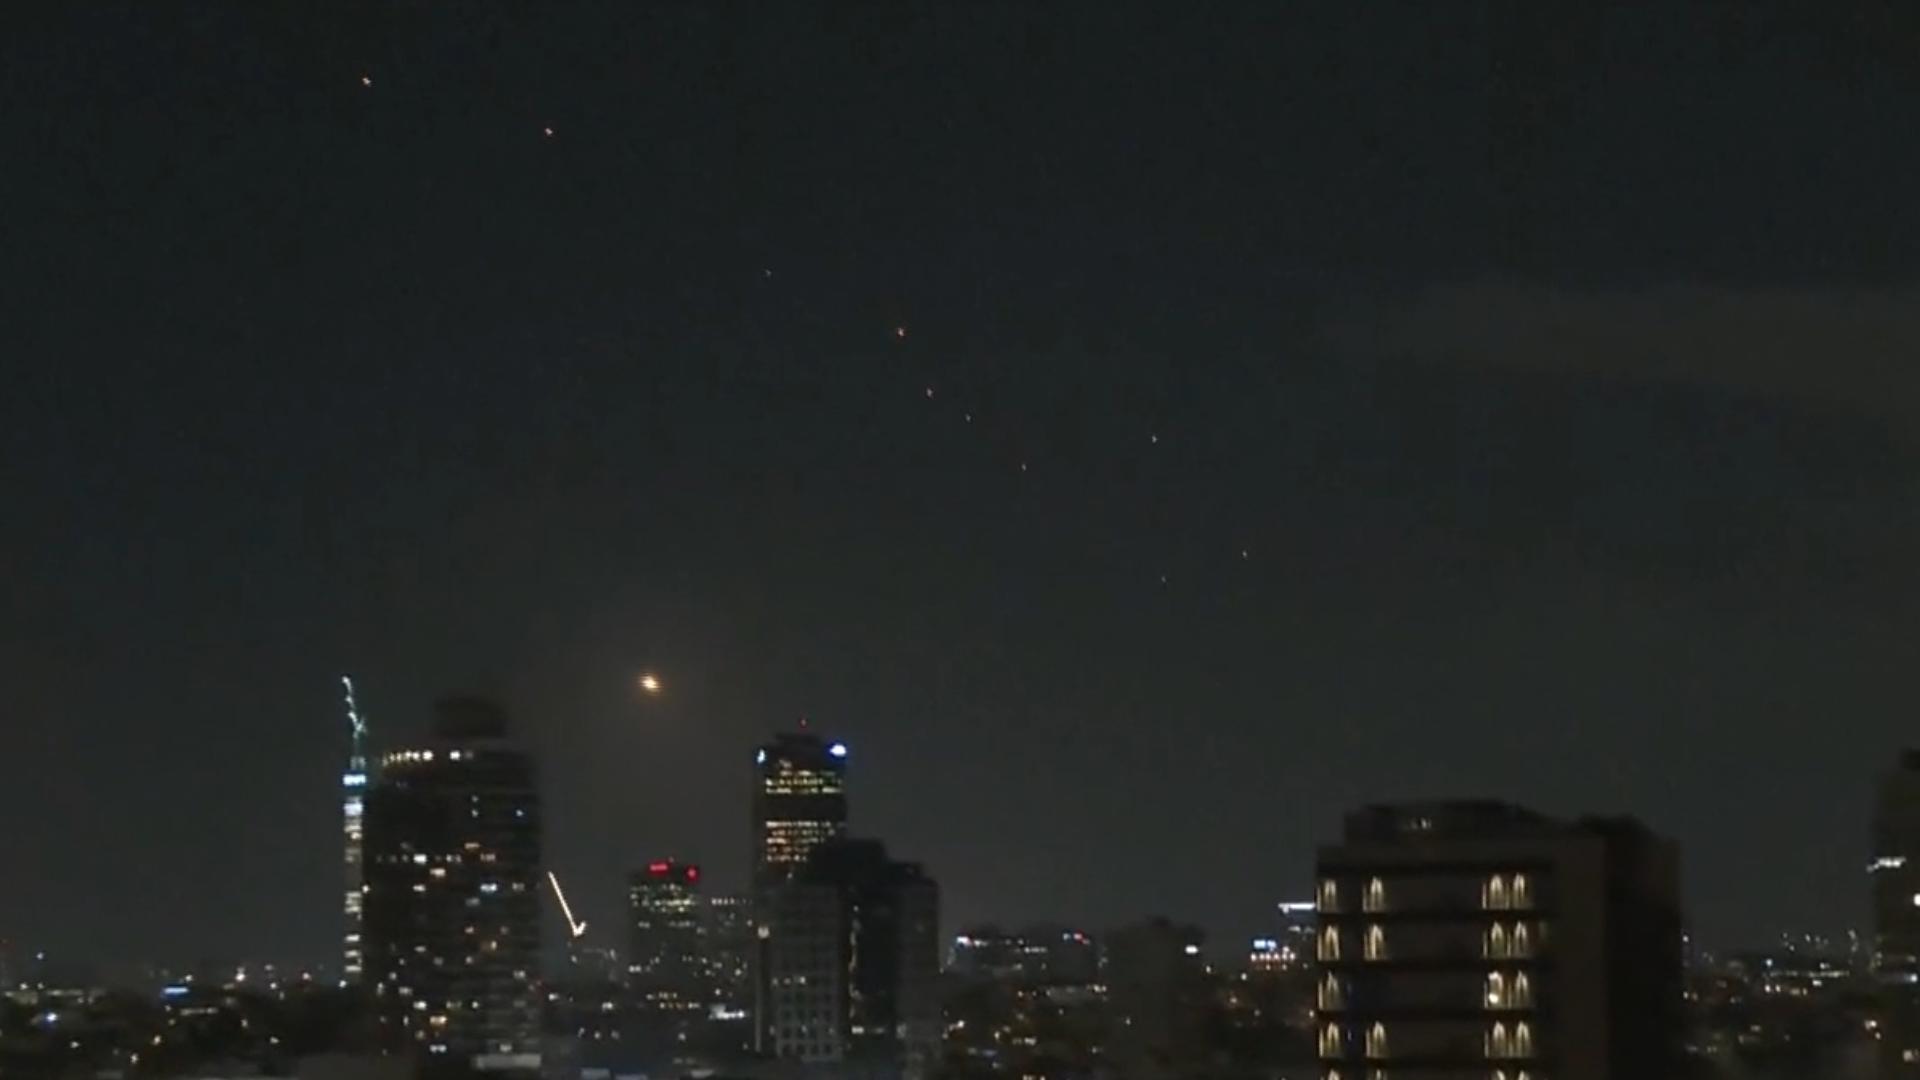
column 760, row 757
column 838, row 750
column 1193, row 950
column 650, row 682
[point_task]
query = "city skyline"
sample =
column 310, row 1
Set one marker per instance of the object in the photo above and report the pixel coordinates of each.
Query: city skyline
column 1139, row 438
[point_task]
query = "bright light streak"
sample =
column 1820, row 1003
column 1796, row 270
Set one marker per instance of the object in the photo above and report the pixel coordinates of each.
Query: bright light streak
column 576, row 928
column 650, row 682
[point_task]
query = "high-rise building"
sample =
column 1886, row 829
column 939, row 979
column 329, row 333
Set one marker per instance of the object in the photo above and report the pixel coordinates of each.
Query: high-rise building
column 666, row 955
column 1481, row 939
column 353, row 786
column 452, row 913
column 1895, row 873
column 729, row 942
column 853, row 958
column 799, row 803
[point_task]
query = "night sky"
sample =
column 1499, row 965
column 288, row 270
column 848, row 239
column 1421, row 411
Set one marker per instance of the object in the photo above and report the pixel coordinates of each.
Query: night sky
column 1299, row 405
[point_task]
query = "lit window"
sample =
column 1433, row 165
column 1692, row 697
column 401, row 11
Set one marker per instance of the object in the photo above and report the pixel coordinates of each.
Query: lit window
column 1499, row 1043
column 1523, row 1039
column 1333, row 994
column 1493, row 894
column 1330, row 1041
column 1497, row 942
column 1376, row 897
column 1376, row 948
column 1496, row 991
column 1522, row 892
column 1522, row 942
column 1522, row 996
column 1377, row 1040
column 1329, row 944
column 1329, row 895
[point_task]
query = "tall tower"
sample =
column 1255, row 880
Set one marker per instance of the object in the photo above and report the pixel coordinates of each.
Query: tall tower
column 353, row 784
column 799, row 803
column 1895, row 872
column 453, row 896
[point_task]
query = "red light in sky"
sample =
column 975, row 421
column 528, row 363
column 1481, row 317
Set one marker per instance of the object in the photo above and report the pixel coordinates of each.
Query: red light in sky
column 693, row 873
column 657, row 868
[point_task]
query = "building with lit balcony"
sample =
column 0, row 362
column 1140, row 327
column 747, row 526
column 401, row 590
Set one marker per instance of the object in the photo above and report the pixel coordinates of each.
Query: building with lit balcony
column 452, row 905
column 1481, row 940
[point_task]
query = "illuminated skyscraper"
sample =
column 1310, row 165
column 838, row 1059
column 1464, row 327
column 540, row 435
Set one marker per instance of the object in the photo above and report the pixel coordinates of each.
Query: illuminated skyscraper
column 799, row 803
column 353, row 784
column 1895, row 872
column 666, row 961
column 729, row 953
column 453, row 895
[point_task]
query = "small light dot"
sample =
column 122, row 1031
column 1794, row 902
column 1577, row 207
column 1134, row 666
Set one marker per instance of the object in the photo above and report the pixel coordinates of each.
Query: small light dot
column 900, row 333
column 548, row 132
column 969, row 417
column 1023, row 466
column 1154, row 439
column 366, row 80
column 1244, row 554
column 1163, row 579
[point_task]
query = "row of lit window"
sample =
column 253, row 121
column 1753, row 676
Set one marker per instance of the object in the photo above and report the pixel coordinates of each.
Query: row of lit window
column 1381, row 1074
column 411, row 757
column 1499, row 892
column 1500, row 942
column 1501, row 1041
column 802, row 783
column 1502, row 991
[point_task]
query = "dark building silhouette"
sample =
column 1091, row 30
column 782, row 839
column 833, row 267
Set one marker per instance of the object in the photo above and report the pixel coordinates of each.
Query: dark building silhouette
column 1895, row 873
column 852, row 963
column 1157, row 998
column 1481, row 939
column 452, row 912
